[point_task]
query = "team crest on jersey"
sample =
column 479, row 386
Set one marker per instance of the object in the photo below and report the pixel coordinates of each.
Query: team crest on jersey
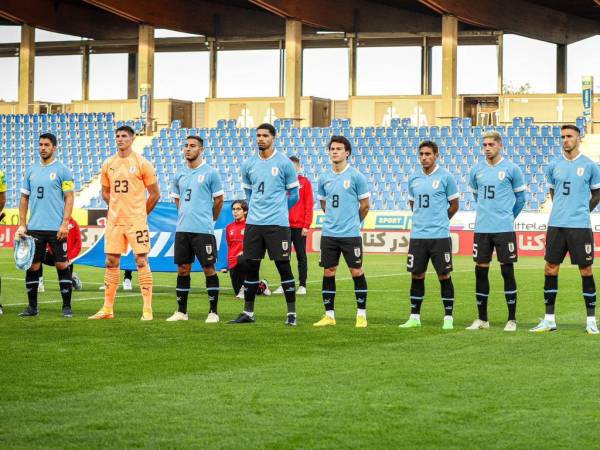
column 274, row 171
column 346, row 184
column 132, row 170
column 53, row 176
column 580, row 171
column 64, row 246
column 501, row 175
column 208, row 249
column 588, row 248
column 357, row 252
column 511, row 247
column 200, row 178
column 435, row 184
column 447, row 257
column 284, row 245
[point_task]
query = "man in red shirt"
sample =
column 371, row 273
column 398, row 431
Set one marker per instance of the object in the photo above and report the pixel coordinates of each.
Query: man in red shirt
column 235, row 248
column 301, row 216
column 73, row 248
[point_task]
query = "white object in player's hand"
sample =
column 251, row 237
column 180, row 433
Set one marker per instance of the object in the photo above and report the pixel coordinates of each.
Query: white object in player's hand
column 21, row 231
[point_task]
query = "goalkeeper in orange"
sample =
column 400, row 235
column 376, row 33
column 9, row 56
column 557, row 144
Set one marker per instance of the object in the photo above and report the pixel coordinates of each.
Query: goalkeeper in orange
column 125, row 177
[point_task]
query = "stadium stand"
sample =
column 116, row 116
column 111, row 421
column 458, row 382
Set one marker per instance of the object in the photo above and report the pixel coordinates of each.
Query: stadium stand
column 386, row 155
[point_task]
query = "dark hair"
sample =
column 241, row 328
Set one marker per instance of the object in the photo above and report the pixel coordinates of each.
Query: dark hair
column 267, row 126
column 125, row 128
column 198, row 138
column 242, row 203
column 295, row 159
column 432, row 145
column 571, row 127
column 341, row 140
column 50, row 137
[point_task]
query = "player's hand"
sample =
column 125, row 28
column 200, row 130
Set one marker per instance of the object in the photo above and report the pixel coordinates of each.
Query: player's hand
column 63, row 232
column 21, row 231
column 304, row 232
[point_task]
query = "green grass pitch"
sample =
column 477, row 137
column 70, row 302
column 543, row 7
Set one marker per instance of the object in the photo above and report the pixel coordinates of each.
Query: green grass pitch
column 127, row 384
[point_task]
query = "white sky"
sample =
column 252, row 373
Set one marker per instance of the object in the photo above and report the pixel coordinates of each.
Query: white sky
column 380, row 71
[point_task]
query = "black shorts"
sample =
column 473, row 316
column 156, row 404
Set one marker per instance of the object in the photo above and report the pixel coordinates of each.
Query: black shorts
column 332, row 247
column 189, row 246
column 420, row 251
column 44, row 238
column 579, row 242
column 272, row 238
column 505, row 244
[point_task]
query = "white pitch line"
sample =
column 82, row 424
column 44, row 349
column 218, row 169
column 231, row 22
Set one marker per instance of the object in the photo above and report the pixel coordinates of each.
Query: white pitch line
column 84, row 299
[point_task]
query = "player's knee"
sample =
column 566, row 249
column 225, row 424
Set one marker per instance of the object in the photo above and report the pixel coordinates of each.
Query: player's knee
column 483, row 265
column 586, row 271
column 35, row 267
column 356, row 272
column 441, row 276
column 112, row 261
column 551, row 270
column 62, row 265
column 183, row 270
column 141, row 261
column 330, row 272
column 209, row 271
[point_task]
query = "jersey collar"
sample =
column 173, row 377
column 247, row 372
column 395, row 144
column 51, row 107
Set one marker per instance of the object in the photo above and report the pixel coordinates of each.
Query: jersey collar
column 570, row 160
column 434, row 170
column 48, row 165
column 266, row 159
column 494, row 165
column 339, row 173
column 201, row 164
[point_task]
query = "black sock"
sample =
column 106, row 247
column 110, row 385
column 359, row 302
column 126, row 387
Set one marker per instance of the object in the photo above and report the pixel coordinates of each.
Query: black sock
column 360, row 291
column 328, row 293
column 482, row 291
column 251, row 284
column 212, row 287
column 510, row 289
column 32, row 280
column 182, row 291
column 550, row 292
column 66, row 286
column 447, row 291
column 288, row 284
column 417, row 294
column 589, row 295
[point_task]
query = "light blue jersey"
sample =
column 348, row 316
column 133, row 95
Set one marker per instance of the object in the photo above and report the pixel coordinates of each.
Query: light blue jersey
column 269, row 179
column 342, row 193
column 572, row 182
column 196, row 190
column 430, row 195
column 45, row 186
column 495, row 187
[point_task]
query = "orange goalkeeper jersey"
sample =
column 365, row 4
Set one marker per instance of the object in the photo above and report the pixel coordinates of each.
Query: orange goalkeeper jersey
column 127, row 179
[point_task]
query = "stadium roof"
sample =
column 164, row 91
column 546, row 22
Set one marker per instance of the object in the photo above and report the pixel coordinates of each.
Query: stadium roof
column 557, row 21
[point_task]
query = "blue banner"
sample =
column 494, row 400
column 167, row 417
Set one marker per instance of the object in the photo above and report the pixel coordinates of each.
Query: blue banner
column 162, row 222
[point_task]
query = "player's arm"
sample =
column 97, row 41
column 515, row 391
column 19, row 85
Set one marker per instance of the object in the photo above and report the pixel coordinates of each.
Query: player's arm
column 246, row 183
column 411, row 204
column 63, row 231
column 217, row 206
column 293, row 197
column 473, row 183
column 2, row 203
column 106, row 194
column 552, row 194
column 323, row 204
column 452, row 207
column 153, row 197
column 23, row 207
column 364, row 196
column 519, row 203
column 595, row 199
column 363, row 208
column 452, row 195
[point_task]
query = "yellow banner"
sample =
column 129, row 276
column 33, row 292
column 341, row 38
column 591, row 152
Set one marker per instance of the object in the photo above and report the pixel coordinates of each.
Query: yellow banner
column 12, row 216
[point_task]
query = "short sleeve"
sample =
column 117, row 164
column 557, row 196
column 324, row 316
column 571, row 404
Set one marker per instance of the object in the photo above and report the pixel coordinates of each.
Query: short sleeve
column 411, row 193
column 104, row 175
column 321, row 194
column 291, row 177
column 2, row 182
column 67, row 185
column 473, row 179
column 518, row 183
column 216, row 186
column 26, row 188
column 550, row 175
column 175, row 191
column 362, row 189
column 595, row 178
column 451, row 189
column 148, row 174
column 246, row 183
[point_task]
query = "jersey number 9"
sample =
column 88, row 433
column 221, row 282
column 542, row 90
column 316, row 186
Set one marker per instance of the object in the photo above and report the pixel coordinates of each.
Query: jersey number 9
column 40, row 192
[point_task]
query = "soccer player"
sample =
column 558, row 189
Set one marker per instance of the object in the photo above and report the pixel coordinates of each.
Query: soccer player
column 499, row 190
column 47, row 193
column 198, row 194
column 344, row 197
column 271, row 185
column 301, row 216
column 125, row 177
column 433, row 198
column 570, row 178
